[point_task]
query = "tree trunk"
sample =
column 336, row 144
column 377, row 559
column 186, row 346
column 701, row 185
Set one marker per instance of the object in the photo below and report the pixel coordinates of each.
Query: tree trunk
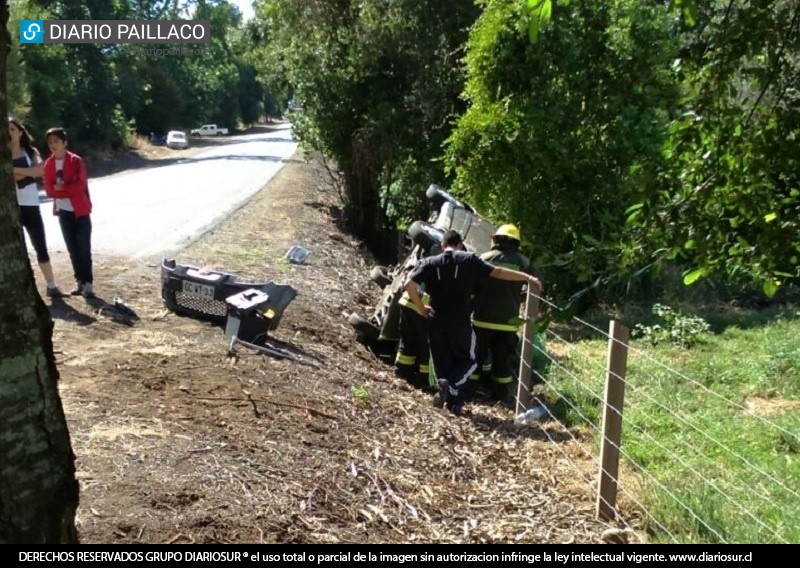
column 38, row 489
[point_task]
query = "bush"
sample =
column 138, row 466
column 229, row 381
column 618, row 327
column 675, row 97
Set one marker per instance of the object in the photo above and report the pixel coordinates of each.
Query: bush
column 678, row 329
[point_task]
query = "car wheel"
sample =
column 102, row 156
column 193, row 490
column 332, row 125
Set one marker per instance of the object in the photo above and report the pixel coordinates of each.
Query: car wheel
column 380, row 275
column 367, row 331
column 425, row 235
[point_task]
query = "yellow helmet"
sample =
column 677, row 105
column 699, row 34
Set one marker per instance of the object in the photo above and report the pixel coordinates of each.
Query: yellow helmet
column 509, row 231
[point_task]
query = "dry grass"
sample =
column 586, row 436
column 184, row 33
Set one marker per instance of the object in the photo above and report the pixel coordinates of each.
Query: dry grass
column 177, row 442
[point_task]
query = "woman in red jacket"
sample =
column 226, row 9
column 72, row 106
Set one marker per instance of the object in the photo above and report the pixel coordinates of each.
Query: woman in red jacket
column 66, row 182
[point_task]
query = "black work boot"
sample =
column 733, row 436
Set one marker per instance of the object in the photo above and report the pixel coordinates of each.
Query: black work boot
column 510, row 401
column 440, row 399
column 502, row 392
column 404, row 372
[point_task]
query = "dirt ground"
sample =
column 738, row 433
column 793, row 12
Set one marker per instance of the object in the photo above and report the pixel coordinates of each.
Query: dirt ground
column 177, row 442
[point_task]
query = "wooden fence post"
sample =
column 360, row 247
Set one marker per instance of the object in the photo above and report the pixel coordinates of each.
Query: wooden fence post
column 612, row 420
column 526, row 357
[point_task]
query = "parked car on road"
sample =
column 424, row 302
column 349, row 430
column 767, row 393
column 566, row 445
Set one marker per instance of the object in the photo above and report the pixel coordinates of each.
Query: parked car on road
column 177, row 139
column 209, row 130
column 157, row 139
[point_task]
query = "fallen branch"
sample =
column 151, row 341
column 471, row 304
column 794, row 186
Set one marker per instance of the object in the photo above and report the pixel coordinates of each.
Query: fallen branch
column 254, row 400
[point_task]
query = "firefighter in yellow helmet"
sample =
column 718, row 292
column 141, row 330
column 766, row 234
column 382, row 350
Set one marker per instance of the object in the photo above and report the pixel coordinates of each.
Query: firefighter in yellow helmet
column 496, row 311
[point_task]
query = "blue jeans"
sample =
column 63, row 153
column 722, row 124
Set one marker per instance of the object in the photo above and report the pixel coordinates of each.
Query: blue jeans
column 78, row 237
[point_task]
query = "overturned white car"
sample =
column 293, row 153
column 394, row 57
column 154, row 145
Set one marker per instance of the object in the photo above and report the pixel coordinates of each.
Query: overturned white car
column 380, row 330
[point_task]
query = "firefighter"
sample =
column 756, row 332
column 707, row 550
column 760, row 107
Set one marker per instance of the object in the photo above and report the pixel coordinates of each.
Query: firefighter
column 413, row 354
column 413, row 360
column 495, row 315
column 450, row 279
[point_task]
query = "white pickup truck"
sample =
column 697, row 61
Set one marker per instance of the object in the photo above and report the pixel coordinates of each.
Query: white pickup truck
column 209, row 130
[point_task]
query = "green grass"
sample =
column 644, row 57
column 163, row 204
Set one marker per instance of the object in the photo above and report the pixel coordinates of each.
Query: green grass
column 675, row 428
column 361, row 394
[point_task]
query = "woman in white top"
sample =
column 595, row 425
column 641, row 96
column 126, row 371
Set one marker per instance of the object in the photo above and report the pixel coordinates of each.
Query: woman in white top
column 28, row 167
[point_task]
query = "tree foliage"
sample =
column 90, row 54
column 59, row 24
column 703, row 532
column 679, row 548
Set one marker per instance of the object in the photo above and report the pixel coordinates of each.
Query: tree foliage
column 728, row 201
column 103, row 93
column 378, row 84
column 560, row 131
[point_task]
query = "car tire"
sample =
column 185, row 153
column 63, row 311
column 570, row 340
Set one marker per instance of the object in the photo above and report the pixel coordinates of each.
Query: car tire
column 425, row 235
column 367, row 331
column 380, row 275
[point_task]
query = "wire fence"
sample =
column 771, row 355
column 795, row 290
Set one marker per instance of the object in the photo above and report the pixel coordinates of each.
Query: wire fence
column 693, row 463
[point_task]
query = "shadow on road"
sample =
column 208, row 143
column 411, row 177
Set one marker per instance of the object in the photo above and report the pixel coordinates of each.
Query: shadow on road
column 111, row 311
column 155, row 156
column 59, row 309
column 190, row 159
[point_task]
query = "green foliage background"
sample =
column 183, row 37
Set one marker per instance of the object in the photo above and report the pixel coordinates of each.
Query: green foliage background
column 728, row 201
column 560, row 132
column 619, row 135
column 103, row 94
column 378, row 82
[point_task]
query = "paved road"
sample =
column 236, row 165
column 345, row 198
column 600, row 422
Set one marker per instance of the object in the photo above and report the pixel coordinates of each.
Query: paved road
column 153, row 211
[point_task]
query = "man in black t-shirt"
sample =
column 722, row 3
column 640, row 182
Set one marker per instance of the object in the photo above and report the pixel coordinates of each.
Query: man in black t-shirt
column 450, row 279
